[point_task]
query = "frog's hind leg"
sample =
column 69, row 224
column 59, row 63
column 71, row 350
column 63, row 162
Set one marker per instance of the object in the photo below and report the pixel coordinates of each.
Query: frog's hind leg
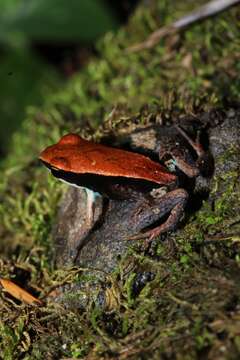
column 173, row 203
column 169, row 225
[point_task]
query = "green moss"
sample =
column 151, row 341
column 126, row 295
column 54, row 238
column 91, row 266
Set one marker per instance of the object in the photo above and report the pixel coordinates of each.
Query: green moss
column 183, row 309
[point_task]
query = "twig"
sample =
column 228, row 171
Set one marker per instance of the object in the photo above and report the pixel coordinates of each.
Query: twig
column 182, row 302
column 217, row 238
column 210, row 9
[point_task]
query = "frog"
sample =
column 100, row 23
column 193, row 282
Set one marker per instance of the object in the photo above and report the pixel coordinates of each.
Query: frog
column 136, row 192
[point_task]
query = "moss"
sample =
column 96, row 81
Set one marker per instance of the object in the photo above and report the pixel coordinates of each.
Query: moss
column 191, row 304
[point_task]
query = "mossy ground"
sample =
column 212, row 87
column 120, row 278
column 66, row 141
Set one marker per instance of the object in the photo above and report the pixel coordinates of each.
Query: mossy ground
column 190, row 308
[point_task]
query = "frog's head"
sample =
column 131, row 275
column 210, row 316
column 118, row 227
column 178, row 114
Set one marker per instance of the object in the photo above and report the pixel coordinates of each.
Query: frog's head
column 60, row 156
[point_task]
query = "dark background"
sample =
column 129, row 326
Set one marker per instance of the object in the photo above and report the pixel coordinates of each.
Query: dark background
column 42, row 44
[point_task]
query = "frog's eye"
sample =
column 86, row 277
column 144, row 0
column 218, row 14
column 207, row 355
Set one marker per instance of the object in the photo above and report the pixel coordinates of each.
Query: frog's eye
column 60, row 163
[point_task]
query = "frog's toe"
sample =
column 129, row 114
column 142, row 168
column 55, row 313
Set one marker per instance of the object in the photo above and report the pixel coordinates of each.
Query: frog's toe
column 139, row 236
column 147, row 235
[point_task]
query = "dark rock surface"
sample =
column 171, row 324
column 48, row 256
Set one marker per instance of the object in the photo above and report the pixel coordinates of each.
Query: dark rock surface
column 72, row 225
column 102, row 246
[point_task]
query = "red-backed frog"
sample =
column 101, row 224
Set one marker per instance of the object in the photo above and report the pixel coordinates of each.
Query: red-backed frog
column 139, row 191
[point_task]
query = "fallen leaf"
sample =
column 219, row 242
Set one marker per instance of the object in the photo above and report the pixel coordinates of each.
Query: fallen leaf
column 19, row 293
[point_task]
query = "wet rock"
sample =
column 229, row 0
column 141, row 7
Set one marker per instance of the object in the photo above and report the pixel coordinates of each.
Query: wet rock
column 102, row 246
column 73, row 225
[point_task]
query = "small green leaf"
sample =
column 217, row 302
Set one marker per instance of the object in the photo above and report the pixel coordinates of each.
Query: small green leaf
column 184, row 259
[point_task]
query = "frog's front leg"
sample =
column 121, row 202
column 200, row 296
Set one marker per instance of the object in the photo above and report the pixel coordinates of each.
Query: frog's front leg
column 181, row 158
column 172, row 202
column 204, row 163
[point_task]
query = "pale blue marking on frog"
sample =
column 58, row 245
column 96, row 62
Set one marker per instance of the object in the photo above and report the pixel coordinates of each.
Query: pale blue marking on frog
column 171, row 164
column 91, row 199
